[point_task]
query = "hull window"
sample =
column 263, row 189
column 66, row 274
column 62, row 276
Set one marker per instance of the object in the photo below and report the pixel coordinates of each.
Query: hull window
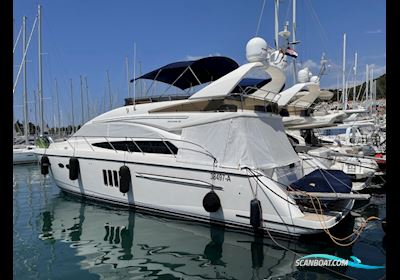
column 111, row 178
column 105, row 177
column 115, row 178
column 110, row 181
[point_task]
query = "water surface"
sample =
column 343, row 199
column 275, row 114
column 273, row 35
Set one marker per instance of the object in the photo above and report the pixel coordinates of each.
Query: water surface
column 57, row 236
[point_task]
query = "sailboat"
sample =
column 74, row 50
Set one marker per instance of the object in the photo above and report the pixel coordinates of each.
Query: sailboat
column 25, row 153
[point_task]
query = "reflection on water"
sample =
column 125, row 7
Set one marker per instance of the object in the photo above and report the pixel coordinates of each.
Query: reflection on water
column 62, row 237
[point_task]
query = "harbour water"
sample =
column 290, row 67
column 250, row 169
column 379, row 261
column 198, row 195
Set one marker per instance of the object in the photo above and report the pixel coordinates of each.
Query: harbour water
column 56, row 236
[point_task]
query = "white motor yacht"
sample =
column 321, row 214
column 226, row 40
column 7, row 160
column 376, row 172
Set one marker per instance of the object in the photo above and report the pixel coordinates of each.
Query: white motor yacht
column 24, row 150
column 24, row 154
column 216, row 156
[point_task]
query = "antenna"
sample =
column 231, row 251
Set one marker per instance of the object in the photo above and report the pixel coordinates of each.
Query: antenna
column 259, row 19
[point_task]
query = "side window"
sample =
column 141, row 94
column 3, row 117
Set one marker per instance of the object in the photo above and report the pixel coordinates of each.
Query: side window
column 155, row 147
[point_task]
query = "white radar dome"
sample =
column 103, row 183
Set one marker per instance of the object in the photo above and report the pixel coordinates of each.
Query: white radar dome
column 256, row 50
column 303, row 75
column 314, row 79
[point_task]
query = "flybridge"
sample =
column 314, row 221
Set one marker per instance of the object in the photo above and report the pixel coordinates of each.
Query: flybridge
column 226, row 80
column 186, row 74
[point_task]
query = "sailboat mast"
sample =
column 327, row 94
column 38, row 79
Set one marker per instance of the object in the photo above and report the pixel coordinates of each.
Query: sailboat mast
column 40, row 68
column 58, row 110
column 14, row 132
column 366, row 85
column 294, row 40
column 34, row 119
column 127, row 76
column 87, row 98
column 344, row 93
column 371, row 92
column 134, row 76
column 141, row 80
column 109, row 89
column 355, row 77
column 25, row 94
column 35, row 111
column 374, row 89
column 72, row 108
column 276, row 24
column 82, row 110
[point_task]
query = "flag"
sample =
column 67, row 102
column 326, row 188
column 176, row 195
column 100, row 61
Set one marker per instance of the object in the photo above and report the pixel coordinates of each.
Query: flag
column 291, row 52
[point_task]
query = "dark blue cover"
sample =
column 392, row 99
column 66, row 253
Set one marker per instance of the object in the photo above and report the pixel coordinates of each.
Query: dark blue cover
column 207, row 69
column 339, row 181
column 250, row 82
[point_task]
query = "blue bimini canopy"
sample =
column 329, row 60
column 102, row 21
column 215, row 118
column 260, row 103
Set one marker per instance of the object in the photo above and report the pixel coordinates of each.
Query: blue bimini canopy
column 186, row 74
column 322, row 180
column 250, row 85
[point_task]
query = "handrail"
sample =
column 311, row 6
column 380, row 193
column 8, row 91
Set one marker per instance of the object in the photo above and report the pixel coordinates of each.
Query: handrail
column 168, row 148
column 267, row 101
column 109, row 144
column 265, row 97
column 137, row 146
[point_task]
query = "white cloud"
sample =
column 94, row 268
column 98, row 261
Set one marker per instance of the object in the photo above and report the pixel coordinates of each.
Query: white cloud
column 310, row 64
column 378, row 69
column 196, row 57
column 377, row 31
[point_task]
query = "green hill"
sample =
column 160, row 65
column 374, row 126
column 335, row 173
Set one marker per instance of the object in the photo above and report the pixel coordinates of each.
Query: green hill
column 380, row 88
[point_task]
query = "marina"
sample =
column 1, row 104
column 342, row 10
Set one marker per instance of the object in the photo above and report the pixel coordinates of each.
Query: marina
column 207, row 167
column 59, row 236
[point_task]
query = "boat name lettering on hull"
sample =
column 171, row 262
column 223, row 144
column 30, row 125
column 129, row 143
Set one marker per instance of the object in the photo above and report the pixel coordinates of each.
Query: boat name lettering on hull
column 220, row 177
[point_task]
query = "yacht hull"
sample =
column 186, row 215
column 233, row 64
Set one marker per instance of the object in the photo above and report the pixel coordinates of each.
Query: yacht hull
column 24, row 155
column 178, row 190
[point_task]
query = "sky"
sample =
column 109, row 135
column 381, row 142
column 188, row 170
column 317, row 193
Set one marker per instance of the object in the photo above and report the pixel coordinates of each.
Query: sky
column 88, row 38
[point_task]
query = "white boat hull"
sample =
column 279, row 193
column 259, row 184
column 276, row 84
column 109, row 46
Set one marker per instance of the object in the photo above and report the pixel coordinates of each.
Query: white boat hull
column 24, row 155
column 178, row 189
